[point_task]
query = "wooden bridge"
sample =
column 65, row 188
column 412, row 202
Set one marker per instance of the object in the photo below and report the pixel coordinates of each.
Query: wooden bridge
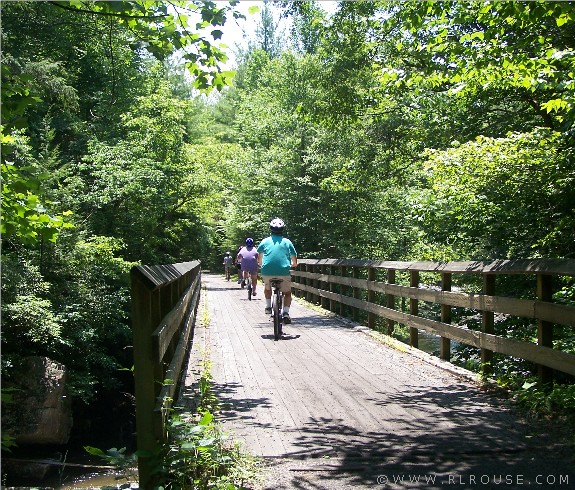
column 335, row 404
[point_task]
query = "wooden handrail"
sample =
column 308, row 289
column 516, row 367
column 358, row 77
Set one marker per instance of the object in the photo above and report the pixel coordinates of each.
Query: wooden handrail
column 311, row 278
column 164, row 305
column 563, row 267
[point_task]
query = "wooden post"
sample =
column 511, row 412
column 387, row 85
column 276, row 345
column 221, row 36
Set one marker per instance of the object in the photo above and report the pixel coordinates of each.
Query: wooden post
column 313, row 283
column 318, row 284
column 370, row 296
column 544, row 328
column 390, row 301
column 308, row 282
column 144, row 389
column 342, row 273
column 298, row 279
column 356, row 294
column 324, row 286
column 414, row 309
column 331, row 287
column 445, row 347
column 488, row 323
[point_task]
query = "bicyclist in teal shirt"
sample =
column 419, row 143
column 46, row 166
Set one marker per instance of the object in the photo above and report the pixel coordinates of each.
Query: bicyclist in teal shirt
column 276, row 256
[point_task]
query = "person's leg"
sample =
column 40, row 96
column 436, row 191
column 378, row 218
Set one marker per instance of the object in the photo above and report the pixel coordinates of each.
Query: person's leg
column 254, row 282
column 286, row 289
column 267, row 294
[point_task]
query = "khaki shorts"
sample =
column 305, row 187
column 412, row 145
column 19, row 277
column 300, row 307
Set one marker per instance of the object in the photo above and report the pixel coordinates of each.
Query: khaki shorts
column 285, row 286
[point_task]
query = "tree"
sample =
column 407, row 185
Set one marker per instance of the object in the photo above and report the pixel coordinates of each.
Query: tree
column 467, row 47
column 308, row 20
column 500, row 198
column 268, row 37
column 117, row 32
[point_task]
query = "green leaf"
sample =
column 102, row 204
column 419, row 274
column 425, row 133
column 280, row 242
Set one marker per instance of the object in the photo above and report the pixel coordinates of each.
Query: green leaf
column 206, row 419
column 94, row 451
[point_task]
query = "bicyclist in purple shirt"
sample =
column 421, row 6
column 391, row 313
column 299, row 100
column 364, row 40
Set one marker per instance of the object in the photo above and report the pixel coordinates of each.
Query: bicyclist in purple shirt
column 277, row 256
column 248, row 258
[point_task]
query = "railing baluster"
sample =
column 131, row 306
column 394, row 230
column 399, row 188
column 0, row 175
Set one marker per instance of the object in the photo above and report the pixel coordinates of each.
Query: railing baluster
column 445, row 345
column 342, row 289
column 390, row 300
column 414, row 308
column 356, row 294
column 488, row 324
column 370, row 296
column 331, row 287
column 544, row 328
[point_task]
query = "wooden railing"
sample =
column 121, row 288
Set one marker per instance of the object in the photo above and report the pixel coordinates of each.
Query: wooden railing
column 164, row 305
column 355, row 288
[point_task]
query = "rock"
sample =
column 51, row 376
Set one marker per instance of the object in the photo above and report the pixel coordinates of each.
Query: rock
column 25, row 471
column 41, row 411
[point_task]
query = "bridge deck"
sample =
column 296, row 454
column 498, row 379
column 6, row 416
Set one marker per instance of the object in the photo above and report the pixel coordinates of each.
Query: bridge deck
column 331, row 407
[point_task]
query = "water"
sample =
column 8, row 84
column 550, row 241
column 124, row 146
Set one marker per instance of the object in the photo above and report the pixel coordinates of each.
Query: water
column 429, row 342
column 77, row 480
column 76, row 476
column 108, row 481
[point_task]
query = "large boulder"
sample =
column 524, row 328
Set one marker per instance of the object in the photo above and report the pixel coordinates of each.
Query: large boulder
column 41, row 410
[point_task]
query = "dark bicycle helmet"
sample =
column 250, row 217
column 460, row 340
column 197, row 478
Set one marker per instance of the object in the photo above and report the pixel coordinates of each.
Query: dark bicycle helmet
column 249, row 242
column 277, row 225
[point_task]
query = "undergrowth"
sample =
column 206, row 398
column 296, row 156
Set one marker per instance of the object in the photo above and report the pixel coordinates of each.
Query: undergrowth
column 198, row 454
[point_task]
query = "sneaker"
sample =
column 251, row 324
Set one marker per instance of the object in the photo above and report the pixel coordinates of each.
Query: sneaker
column 253, row 293
column 243, row 284
column 286, row 318
column 268, row 310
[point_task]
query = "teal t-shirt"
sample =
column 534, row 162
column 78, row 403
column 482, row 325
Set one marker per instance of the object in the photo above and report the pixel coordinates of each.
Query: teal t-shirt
column 276, row 255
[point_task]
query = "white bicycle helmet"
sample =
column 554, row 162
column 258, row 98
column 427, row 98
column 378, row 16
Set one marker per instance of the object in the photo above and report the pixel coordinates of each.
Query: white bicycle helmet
column 277, row 225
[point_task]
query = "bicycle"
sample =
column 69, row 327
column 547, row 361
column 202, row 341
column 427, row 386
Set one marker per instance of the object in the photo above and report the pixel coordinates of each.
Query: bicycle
column 227, row 273
column 277, row 304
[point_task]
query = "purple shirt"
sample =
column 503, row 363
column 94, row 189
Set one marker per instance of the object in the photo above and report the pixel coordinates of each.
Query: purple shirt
column 249, row 257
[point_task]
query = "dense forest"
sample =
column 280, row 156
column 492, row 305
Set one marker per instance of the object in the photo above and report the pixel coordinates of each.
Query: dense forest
column 384, row 130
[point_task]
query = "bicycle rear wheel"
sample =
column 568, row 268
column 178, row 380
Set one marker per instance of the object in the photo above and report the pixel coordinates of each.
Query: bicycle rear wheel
column 250, row 288
column 277, row 315
column 280, row 309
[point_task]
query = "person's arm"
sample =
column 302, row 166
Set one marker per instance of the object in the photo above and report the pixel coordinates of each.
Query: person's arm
column 293, row 261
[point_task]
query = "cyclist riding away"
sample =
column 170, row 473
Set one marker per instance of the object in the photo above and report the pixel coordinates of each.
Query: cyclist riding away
column 277, row 256
column 248, row 258
column 228, row 262
column 238, row 265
